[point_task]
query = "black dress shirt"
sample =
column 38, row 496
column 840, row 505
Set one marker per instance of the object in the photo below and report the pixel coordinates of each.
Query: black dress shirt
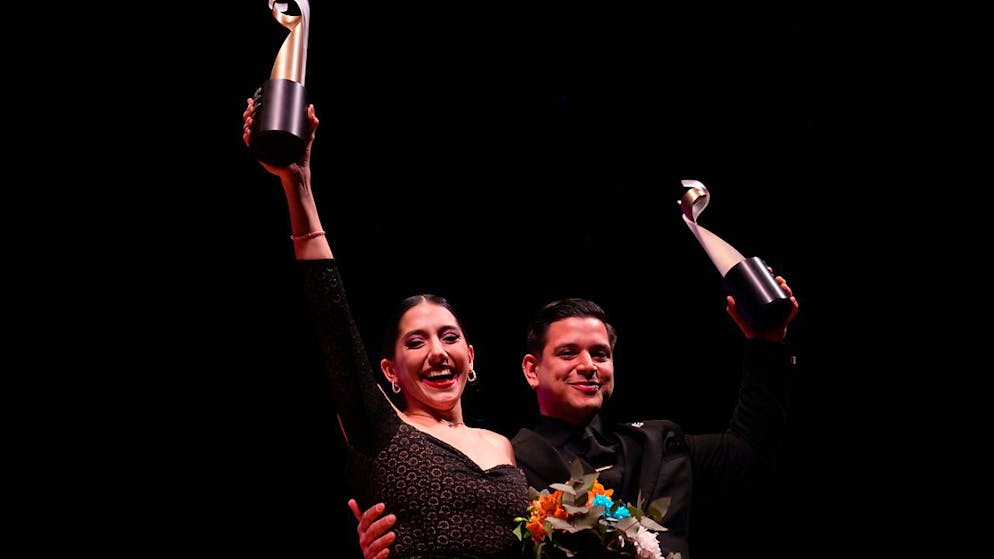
column 597, row 447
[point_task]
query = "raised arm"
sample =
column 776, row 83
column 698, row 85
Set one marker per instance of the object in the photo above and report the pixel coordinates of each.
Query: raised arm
column 725, row 461
column 309, row 241
column 366, row 417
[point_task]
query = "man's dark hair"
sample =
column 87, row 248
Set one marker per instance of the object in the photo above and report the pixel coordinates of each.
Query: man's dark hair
column 555, row 311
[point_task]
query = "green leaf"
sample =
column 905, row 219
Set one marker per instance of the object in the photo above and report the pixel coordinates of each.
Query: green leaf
column 588, row 481
column 572, row 510
column 652, row 524
column 589, row 518
column 564, row 488
column 625, row 523
column 575, row 469
column 560, row 524
column 659, row 507
column 518, row 534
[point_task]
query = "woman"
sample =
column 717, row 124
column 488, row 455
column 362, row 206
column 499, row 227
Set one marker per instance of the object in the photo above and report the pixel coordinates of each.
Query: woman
column 454, row 489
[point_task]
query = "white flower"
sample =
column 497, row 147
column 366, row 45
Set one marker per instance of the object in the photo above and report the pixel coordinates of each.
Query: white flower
column 646, row 544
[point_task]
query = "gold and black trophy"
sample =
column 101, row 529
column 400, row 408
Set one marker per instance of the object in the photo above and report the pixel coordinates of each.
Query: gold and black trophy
column 279, row 124
column 757, row 294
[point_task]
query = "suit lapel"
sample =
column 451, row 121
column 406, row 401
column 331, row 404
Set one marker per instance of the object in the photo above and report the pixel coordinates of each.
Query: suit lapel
column 535, row 455
column 643, row 445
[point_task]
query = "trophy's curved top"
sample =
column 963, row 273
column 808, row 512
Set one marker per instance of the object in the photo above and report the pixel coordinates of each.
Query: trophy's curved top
column 694, row 200
column 291, row 62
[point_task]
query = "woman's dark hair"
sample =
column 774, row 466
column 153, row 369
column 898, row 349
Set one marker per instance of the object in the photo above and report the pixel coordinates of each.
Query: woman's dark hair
column 392, row 331
column 562, row 309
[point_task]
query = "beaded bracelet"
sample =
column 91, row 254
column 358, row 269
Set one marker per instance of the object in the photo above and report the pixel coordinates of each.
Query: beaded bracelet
column 307, row 236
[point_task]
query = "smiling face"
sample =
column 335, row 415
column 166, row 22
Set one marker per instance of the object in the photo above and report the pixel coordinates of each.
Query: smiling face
column 574, row 375
column 431, row 358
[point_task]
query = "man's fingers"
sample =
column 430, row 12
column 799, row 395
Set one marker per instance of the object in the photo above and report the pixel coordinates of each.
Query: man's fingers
column 366, row 519
column 378, row 547
column 354, row 506
column 378, row 528
column 370, row 514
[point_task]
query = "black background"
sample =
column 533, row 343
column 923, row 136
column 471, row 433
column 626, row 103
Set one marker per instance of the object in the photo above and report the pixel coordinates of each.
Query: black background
column 504, row 161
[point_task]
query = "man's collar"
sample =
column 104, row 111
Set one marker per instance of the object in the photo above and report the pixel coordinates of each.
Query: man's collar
column 557, row 431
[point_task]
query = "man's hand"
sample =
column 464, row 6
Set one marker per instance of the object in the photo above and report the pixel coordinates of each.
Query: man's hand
column 372, row 539
column 775, row 334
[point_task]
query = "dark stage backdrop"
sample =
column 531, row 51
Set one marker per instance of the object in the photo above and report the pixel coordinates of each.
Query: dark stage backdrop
column 504, row 166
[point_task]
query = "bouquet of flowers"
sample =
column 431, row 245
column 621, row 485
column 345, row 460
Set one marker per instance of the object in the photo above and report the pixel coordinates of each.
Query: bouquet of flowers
column 580, row 519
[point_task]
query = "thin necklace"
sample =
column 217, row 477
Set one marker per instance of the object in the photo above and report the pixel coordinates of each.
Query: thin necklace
column 452, row 424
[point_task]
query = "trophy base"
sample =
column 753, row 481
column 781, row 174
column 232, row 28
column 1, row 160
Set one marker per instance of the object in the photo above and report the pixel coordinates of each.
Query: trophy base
column 757, row 294
column 279, row 125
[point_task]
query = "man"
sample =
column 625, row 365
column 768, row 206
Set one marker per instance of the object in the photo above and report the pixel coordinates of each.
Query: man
column 570, row 366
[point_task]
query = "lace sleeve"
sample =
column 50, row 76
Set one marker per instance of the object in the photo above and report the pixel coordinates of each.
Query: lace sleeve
column 367, row 418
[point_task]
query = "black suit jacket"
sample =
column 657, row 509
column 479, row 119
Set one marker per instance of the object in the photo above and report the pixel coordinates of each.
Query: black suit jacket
column 687, row 468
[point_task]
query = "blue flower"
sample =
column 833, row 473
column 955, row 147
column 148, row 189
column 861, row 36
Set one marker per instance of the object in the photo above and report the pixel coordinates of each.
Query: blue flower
column 603, row 501
column 607, row 503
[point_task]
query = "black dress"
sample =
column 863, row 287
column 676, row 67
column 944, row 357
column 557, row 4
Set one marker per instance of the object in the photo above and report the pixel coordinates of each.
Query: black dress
column 446, row 505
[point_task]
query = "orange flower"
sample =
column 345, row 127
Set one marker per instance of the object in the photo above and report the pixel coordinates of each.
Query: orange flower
column 537, row 529
column 545, row 506
column 552, row 505
column 597, row 489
